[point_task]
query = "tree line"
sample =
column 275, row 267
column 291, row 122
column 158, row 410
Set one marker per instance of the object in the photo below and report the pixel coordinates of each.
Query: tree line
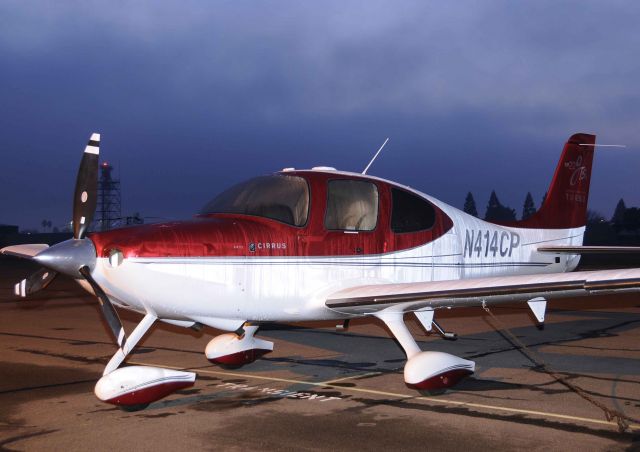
column 623, row 227
column 496, row 211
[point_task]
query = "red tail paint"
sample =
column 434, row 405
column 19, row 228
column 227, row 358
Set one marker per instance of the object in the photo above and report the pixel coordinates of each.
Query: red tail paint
column 566, row 203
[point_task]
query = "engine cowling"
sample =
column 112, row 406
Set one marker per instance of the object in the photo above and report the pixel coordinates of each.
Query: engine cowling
column 234, row 351
column 434, row 371
column 141, row 385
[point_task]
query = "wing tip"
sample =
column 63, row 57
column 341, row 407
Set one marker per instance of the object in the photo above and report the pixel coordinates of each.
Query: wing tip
column 26, row 251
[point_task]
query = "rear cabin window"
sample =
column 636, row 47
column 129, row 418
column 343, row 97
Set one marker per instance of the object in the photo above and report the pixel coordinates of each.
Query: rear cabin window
column 278, row 197
column 410, row 213
column 352, row 205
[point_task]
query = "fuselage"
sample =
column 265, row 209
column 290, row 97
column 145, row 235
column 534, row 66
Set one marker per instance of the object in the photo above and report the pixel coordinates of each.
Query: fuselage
column 317, row 232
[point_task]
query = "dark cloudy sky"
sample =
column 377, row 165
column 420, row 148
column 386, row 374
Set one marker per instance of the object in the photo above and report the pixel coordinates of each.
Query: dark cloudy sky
column 191, row 96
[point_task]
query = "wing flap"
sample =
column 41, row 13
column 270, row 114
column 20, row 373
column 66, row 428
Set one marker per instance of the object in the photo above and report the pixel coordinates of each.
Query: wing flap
column 472, row 292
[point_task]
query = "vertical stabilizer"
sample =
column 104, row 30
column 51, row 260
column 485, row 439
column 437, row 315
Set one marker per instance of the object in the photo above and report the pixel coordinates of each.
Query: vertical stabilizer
column 565, row 205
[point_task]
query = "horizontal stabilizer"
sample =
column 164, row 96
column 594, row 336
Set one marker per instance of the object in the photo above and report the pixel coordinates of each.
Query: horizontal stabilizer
column 26, row 251
column 590, row 249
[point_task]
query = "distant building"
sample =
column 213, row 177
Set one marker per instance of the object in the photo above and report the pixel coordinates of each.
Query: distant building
column 134, row 219
column 8, row 229
column 11, row 235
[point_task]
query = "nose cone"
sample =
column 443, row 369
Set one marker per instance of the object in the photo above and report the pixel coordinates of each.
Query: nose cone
column 69, row 256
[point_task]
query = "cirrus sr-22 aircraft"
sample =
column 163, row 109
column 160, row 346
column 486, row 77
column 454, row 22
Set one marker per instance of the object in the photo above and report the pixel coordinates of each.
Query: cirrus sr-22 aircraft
column 319, row 244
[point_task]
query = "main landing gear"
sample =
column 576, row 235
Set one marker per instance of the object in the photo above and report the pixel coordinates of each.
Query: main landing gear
column 430, row 371
column 236, row 349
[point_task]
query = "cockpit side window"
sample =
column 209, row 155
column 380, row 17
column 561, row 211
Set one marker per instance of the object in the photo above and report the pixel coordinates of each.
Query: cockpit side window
column 352, row 205
column 278, row 197
column 410, row 213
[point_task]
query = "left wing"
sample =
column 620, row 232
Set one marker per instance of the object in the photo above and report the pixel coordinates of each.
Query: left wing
column 590, row 249
column 408, row 297
column 25, row 251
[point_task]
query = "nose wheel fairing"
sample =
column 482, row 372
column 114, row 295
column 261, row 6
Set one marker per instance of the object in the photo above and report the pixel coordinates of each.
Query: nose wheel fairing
column 140, row 385
column 137, row 386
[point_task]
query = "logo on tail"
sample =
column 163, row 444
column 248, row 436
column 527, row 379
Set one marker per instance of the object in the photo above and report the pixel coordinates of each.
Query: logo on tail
column 579, row 170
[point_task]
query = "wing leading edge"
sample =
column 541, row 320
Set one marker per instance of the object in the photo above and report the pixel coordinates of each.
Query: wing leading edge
column 26, row 251
column 408, row 297
column 590, row 249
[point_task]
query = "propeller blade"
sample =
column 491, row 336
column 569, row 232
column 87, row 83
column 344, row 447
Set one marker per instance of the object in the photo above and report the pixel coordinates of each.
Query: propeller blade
column 37, row 281
column 108, row 310
column 85, row 197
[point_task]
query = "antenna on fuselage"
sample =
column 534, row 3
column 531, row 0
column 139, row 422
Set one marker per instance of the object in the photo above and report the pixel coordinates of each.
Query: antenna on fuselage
column 375, row 156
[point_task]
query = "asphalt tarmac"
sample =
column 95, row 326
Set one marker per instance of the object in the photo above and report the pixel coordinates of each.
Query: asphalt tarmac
column 320, row 389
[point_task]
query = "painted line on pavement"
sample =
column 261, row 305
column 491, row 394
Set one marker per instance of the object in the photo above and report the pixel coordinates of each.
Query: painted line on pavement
column 438, row 401
column 335, row 380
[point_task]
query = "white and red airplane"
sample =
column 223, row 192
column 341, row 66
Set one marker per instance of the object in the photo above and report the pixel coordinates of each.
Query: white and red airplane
column 320, row 244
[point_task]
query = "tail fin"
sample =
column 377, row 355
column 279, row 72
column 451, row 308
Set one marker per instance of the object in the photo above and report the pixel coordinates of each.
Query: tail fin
column 565, row 205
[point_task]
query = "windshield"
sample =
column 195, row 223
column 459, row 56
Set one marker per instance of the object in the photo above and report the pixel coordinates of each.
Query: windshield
column 279, row 197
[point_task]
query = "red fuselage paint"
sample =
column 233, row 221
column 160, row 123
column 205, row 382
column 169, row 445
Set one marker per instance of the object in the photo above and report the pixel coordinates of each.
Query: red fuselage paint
column 233, row 234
